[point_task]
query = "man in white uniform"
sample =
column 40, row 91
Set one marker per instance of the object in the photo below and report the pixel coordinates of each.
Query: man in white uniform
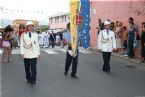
column 106, row 44
column 40, row 37
column 45, row 39
column 30, row 51
column 57, row 40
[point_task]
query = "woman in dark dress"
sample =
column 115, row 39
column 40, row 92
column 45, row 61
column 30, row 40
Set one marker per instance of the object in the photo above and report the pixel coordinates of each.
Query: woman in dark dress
column 143, row 43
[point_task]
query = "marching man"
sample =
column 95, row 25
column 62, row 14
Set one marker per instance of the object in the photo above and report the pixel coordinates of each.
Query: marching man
column 30, row 51
column 69, row 58
column 106, row 44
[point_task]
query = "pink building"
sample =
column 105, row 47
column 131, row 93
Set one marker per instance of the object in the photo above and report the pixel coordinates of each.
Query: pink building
column 58, row 22
column 116, row 10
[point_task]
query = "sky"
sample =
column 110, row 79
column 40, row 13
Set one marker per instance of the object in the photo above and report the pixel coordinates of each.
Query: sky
column 33, row 9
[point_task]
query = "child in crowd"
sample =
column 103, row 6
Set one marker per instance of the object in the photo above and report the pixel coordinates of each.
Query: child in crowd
column 124, row 40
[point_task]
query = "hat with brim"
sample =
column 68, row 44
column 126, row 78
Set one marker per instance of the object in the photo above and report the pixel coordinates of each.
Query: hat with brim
column 106, row 22
column 28, row 23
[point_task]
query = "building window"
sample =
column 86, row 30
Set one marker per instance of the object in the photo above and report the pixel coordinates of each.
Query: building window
column 65, row 18
column 62, row 19
column 57, row 20
column 53, row 20
column 94, row 11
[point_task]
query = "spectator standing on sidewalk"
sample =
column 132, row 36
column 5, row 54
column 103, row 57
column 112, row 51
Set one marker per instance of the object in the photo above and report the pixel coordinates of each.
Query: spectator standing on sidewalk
column 143, row 42
column 132, row 35
column 106, row 44
column 112, row 26
column 100, row 26
column 131, row 21
column 30, row 51
column 116, row 24
column 124, row 40
column 118, row 33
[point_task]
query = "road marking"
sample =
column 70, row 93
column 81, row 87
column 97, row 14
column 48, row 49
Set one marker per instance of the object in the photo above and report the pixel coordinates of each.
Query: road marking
column 63, row 50
column 84, row 51
column 16, row 51
column 50, row 52
column 80, row 50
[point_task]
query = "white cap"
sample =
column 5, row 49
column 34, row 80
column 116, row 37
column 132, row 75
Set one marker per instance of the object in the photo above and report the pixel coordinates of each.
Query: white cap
column 106, row 22
column 29, row 23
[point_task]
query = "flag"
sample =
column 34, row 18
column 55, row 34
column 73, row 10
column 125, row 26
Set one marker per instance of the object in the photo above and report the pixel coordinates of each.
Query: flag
column 84, row 27
column 74, row 6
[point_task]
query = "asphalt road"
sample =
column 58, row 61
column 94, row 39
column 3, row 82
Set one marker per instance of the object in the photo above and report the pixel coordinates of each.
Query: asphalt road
column 125, row 79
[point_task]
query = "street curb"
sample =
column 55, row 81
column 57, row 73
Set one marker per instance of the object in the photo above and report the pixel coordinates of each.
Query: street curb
column 119, row 56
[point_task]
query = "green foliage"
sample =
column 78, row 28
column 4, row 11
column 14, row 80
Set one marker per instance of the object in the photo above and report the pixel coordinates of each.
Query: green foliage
column 43, row 28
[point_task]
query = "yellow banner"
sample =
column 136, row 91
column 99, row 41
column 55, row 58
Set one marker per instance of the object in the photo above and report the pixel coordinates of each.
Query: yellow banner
column 74, row 6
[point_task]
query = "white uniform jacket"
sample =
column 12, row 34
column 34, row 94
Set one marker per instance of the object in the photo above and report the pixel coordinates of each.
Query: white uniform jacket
column 29, row 47
column 106, row 41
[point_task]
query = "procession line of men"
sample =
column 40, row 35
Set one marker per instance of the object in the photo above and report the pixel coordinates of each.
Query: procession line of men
column 48, row 38
column 29, row 47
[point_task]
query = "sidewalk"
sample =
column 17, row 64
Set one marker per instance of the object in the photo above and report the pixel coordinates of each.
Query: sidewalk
column 134, row 60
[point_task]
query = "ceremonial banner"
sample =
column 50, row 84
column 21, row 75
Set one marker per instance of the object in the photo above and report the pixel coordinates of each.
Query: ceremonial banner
column 84, row 26
column 74, row 6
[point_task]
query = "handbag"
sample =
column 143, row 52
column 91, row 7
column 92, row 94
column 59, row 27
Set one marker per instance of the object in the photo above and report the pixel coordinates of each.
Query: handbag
column 135, row 43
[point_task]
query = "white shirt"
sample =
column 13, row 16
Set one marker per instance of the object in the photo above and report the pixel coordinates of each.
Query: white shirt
column 106, row 41
column 29, row 47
